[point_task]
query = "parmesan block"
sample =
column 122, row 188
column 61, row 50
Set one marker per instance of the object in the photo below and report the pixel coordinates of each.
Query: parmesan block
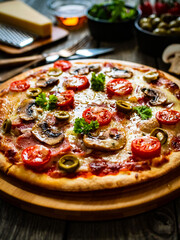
column 21, row 15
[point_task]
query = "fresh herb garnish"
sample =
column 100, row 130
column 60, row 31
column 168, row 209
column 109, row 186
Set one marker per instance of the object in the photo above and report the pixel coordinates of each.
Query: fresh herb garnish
column 113, row 12
column 46, row 103
column 97, row 82
column 143, row 111
column 81, row 126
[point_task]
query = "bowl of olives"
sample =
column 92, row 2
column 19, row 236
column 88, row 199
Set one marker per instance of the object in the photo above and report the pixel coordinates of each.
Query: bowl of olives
column 155, row 33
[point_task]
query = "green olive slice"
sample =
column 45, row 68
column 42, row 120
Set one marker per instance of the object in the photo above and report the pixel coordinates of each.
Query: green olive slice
column 33, row 92
column 68, row 163
column 62, row 115
column 6, row 127
column 160, row 134
column 123, row 106
column 55, row 72
column 151, row 76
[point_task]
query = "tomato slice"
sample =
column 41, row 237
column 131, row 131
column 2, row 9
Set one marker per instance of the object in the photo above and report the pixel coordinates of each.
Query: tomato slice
column 19, row 86
column 36, row 156
column 102, row 115
column 146, row 147
column 76, row 83
column 65, row 98
column 119, row 86
column 63, row 65
column 168, row 116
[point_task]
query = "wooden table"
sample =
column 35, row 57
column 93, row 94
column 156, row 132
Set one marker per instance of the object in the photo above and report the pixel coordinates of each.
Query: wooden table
column 162, row 223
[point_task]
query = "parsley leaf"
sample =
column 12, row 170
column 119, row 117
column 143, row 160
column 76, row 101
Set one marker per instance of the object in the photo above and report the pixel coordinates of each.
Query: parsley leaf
column 81, row 126
column 46, row 103
column 98, row 82
column 143, row 111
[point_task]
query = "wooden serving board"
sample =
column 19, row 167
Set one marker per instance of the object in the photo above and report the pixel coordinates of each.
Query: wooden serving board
column 99, row 205
column 57, row 34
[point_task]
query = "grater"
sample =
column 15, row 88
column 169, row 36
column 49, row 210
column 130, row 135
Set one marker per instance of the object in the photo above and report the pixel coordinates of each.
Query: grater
column 15, row 37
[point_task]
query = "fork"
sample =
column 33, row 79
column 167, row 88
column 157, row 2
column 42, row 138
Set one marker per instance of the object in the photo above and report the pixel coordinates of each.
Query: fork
column 38, row 58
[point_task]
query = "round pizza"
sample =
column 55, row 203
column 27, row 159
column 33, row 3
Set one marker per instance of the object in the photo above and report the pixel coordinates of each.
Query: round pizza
column 89, row 125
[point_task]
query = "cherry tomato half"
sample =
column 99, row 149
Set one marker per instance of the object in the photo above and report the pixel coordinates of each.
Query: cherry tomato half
column 36, row 156
column 63, row 65
column 19, row 86
column 119, row 86
column 65, row 98
column 102, row 115
column 76, row 83
column 168, row 116
column 146, row 147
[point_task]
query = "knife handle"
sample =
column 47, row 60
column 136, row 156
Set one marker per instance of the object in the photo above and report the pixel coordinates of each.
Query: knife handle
column 18, row 60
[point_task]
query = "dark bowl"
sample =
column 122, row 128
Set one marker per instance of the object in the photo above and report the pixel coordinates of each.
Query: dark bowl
column 153, row 44
column 103, row 30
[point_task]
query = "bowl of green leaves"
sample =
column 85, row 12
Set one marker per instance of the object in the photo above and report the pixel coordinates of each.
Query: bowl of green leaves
column 112, row 21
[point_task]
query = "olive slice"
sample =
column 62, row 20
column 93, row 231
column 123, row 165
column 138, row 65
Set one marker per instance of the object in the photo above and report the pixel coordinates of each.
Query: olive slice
column 55, row 72
column 6, row 127
column 123, row 106
column 160, row 134
column 68, row 163
column 33, row 92
column 61, row 115
column 151, row 76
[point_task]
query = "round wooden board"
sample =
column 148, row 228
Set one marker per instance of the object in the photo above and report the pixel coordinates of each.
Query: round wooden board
column 99, row 205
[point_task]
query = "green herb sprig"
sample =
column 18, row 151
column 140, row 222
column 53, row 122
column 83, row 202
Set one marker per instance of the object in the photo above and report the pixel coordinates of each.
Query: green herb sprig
column 143, row 111
column 98, row 82
column 81, row 126
column 46, row 103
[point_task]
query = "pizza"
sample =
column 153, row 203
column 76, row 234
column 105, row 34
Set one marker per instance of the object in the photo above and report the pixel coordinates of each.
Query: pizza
column 89, row 125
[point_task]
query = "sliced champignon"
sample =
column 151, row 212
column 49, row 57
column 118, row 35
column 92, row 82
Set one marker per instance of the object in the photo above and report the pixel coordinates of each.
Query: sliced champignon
column 148, row 125
column 156, row 97
column 50, row 135
column 46, row 81
column 119, row 73
column 94, row 68
column 27, row 110
column 107, row 140
column 79, row 70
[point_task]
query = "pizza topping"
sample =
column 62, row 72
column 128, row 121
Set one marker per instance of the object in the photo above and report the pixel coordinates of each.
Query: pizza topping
column 68, row 163
column 76, row 83
column 168, row 116
column 156, row 97
column 46, row 103
column 46, row 81
column 94, row 68
column 65, row 98
column 143, row 111
column 120, row 73
column 160, row 134
column 27, row 110
column 175, row 143
column 54, row 72
column 148, row 125
column 63, row 65
column 146, row 147
column 100, row 114
column 46, row 133
column 124, row 106
column 98, row 82
column 6, row 127
column 19, row 86
column 33, row 92
column 82, row 127
column 106, row 140
column 84, row 70
column 36, row 156
column 62, row 115
column 119, row 87
column 151, row 75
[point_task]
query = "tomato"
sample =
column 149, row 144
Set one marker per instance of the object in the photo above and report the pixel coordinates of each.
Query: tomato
column 146, row 8
column 19, row 86
column 119, row 86
column 168, row 116
column 146, row 147
column 65, row 98
column 102, row 115
column 76, row 83
column 63, row 65
column 36, row 156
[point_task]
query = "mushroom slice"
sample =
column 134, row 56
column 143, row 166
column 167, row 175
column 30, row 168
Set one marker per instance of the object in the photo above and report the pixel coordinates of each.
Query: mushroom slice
column 94, row 68
column 50, row 135
column 120, row 73
column 82, row 70
column 107, row 140
column 148, row 125
column 27, row 110
column 157, row 97
column 46, row 81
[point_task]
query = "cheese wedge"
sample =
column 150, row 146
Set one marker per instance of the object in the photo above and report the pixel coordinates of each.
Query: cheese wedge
column 21, row 15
